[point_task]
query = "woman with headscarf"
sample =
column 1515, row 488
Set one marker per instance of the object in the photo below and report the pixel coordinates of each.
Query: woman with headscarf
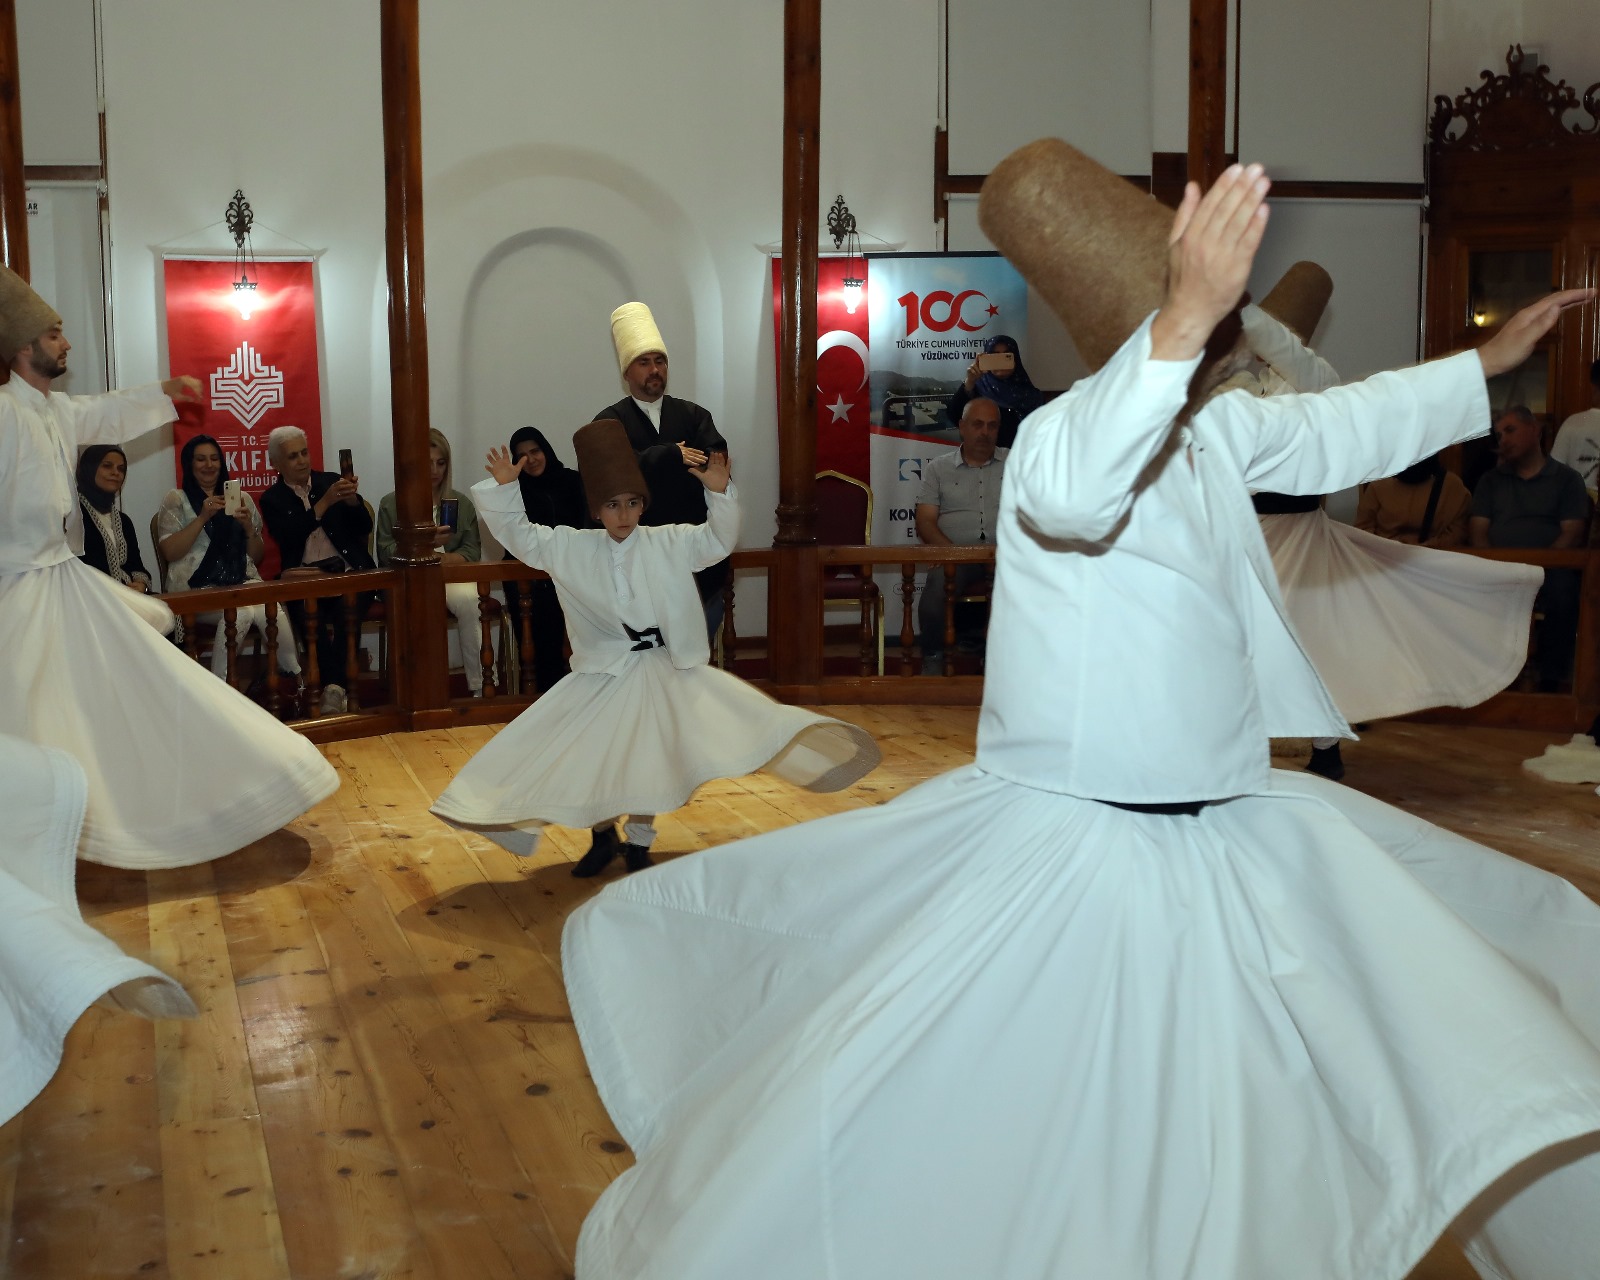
column 1011, row 389
column 457, row 542
column 204, row 546
column 552, row 495
column 110, row 543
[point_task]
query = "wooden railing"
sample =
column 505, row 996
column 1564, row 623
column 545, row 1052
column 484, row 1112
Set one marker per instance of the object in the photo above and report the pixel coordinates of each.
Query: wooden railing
column 859, row 663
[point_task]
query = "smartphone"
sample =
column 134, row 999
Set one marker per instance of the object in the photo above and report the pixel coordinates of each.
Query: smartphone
column 232, row 498
column 994, row 361
column 448, row 511
column 347, row 464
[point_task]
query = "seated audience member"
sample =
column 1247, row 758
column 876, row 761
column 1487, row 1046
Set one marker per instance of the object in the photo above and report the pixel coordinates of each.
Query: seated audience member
column 110, row 542
column 1425, row 505
column 204, row 546
column 1529, row 500
column 1577, row 444
column 456, row 544
column 957, row 506
column 552, row 495
column 1011, row 390
column 321, row 525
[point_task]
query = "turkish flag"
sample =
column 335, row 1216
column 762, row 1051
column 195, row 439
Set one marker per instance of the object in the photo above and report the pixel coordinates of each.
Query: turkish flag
column 844, row 366
column 255, row 353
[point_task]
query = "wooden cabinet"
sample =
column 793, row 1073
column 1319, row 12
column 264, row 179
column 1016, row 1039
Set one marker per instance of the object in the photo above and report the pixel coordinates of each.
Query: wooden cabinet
column 1514, row 211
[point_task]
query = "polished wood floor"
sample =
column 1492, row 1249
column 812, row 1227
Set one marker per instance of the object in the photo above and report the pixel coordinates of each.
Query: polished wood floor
column 385, row 1081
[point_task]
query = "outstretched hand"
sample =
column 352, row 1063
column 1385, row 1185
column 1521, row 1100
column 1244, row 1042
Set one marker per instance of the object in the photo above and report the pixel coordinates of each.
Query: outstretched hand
column 1213, row 244
column 500, row 466
column 715, row 474
column 183, row 389
column 1520, row 334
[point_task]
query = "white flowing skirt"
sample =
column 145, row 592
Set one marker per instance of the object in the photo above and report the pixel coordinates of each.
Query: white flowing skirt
column 181, row 767
column 1393, row 628
column 985, row 1030
column 597, row 746
column 52, row 965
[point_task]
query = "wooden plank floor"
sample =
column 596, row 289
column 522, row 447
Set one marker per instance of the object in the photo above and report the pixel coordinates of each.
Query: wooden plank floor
column 385, row 1081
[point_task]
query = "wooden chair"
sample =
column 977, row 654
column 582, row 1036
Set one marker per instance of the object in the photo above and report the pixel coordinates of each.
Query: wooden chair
column 844, row 519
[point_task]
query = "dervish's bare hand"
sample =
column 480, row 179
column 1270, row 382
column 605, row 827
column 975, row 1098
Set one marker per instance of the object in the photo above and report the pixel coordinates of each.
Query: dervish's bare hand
column 183, row 390
column 1213, row 244
column 691, row 457
column 500, row 466
column 1520, row 334
column 715, row 474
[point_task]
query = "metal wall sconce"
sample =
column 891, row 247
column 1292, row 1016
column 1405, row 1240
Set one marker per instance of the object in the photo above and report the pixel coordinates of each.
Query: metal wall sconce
column 842, row 227
column 239, row 217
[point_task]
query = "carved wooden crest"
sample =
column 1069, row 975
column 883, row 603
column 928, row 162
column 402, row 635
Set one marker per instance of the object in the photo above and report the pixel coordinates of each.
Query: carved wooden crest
column 1523, row 110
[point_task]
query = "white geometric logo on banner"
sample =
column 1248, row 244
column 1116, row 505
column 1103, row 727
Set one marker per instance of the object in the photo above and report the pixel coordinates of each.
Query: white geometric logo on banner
column 248, row 387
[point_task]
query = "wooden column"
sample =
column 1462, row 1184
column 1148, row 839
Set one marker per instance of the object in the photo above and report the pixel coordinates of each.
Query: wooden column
column 13, row 188
column 417, row 616
column 796, row 639
column 1208, row 90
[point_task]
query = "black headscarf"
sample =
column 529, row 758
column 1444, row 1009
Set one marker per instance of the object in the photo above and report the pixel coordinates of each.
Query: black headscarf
column 224, row 562
column 1016, row 393
column 88, row 464
column 555, row 496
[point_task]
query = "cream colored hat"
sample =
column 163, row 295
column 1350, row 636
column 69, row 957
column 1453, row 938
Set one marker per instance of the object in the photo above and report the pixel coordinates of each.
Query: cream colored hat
column 24, row 315
column 633, row 332
column 1298, row 300
column 1092, row 244
column 607, row 463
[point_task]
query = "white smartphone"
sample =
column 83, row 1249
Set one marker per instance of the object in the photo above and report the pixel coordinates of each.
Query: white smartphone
column 232, row 498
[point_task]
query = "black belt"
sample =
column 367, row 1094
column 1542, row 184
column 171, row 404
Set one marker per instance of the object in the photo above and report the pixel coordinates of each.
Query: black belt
column 649, row 638
column 1284, row 504
column 1172, row 809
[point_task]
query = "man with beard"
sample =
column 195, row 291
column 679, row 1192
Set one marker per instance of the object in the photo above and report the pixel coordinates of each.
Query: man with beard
column 669, row 435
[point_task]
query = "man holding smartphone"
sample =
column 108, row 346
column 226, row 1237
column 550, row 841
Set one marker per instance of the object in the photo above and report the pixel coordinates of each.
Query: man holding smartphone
column 670, row 436
column 321, row 525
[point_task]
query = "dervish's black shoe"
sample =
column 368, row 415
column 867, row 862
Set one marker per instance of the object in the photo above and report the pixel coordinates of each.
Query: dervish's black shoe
column 603, row 847
column 1594, row 731
column 637, row 857
column 1327, row 762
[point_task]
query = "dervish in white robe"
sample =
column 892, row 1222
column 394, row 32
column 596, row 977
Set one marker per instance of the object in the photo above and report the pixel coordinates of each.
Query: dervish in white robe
column 1391, row 628
column 643, row 720
column 53, row 966
column 181, row 767
column 1005, row 1026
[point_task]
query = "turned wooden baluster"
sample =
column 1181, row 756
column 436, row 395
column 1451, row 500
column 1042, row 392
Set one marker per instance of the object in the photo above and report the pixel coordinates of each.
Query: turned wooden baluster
column 313, row 668
column 230, row 638
column 352, row 648
column 486, row 637
column 273, row 703
column 525, row 641
column 949, row 619
column 191, row 645
column 869, row 608
column 908, row 633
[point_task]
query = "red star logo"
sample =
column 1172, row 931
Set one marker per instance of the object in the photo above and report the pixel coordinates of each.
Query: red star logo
column 993, row 310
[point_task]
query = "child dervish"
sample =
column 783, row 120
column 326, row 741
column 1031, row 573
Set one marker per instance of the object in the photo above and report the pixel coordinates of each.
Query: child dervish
column 643, row 719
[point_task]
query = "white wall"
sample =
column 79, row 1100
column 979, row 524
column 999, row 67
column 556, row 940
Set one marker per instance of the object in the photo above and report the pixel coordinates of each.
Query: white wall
column 1468, row 37
column 203, row 98
column 56, row 74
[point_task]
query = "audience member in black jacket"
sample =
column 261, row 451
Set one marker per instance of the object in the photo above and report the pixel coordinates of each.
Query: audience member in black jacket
column 552, row 494
column 669, row 435
column 110, row 542
column 320, row 524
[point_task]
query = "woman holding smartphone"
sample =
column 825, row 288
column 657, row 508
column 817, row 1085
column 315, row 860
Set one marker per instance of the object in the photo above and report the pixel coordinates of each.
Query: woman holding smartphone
column 456, row 538
column 994, row 376
column 208, row 532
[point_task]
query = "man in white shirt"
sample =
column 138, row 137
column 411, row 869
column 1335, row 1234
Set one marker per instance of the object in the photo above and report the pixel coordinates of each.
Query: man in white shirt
column 1577, row 444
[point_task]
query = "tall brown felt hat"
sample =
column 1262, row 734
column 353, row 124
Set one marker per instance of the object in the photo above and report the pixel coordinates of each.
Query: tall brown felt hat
column 24, row 315
column 1088, row 240
column 607, row 463
column 1298, row 300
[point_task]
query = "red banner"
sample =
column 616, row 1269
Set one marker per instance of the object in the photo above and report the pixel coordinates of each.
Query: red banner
column 844, row 399
column 255, row 353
